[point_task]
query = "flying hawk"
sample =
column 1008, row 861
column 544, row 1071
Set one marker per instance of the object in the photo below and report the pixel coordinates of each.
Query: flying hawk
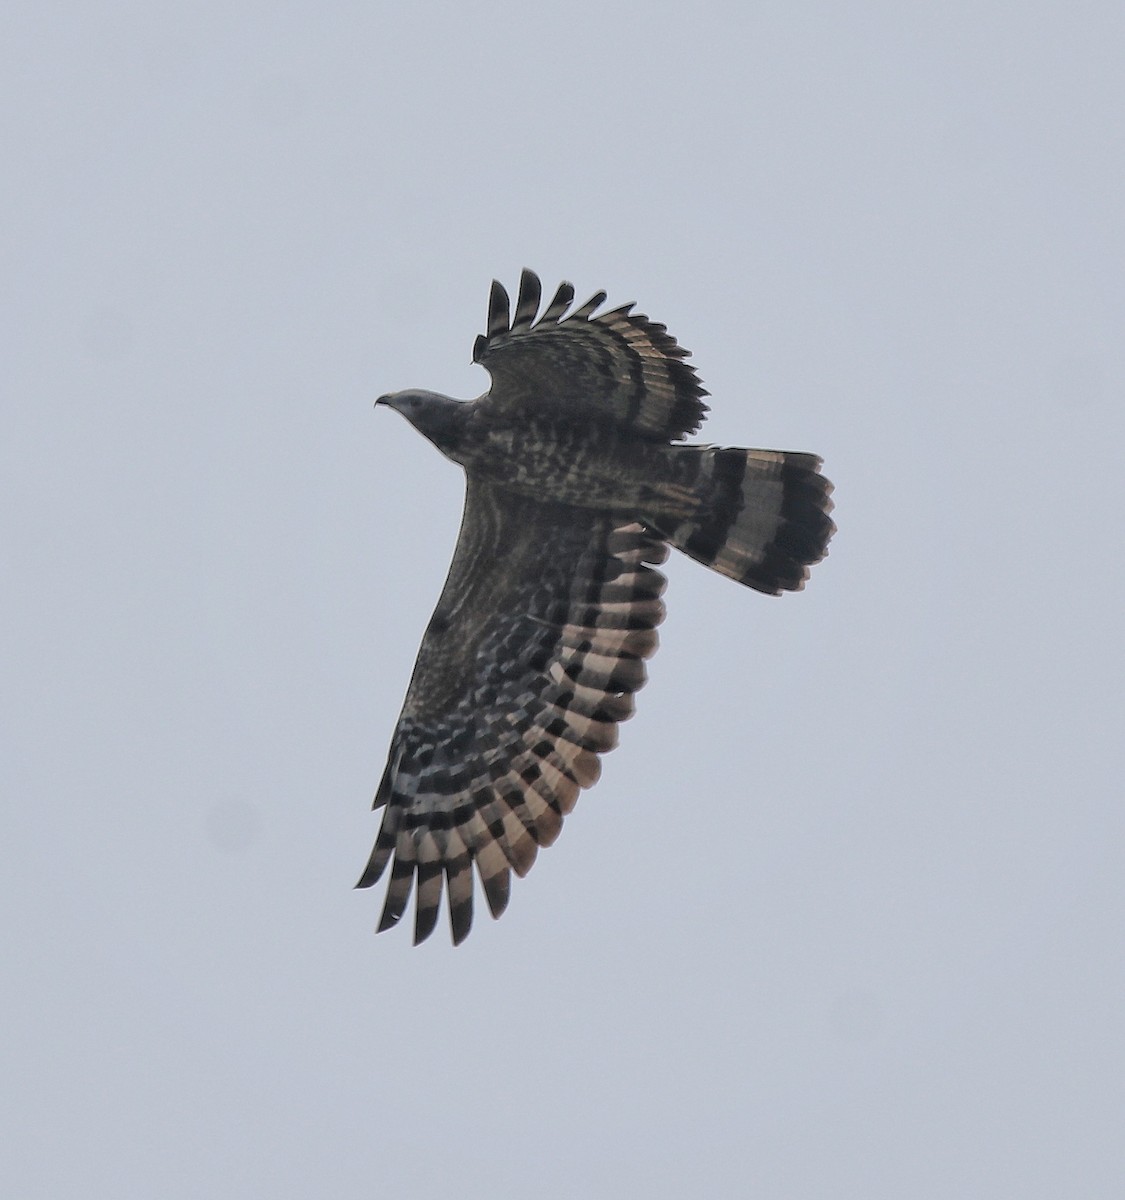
column 575, row 489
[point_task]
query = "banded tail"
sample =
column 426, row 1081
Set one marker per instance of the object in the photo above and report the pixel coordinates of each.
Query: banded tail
column 764, row 515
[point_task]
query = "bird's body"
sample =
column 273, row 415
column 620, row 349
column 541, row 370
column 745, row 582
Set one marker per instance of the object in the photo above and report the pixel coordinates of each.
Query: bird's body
column 575, row 488
column 549, row 459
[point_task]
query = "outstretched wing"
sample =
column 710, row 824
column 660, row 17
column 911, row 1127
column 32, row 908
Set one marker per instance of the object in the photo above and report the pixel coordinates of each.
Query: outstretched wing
column 529, row 662
column 619, row 367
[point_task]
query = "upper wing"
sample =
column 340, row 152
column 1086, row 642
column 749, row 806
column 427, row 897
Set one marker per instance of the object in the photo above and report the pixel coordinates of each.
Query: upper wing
column 529, row 662
column 618, row 367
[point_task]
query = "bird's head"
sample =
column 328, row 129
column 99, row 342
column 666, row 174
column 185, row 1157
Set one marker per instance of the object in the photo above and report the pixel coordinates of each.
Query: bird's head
column 438, row 417
column 411, row 401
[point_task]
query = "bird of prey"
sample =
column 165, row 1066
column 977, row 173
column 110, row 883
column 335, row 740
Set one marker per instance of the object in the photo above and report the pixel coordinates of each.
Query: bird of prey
column 577, row 482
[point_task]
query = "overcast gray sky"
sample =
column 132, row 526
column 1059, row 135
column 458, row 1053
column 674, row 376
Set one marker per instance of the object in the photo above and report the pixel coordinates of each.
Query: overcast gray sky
column 844, row 916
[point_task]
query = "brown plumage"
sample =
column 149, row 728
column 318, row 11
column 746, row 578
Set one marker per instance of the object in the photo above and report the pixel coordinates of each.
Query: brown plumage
column 575, row 489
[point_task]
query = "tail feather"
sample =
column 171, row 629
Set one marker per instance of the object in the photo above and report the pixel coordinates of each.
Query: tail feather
column 763, row 516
